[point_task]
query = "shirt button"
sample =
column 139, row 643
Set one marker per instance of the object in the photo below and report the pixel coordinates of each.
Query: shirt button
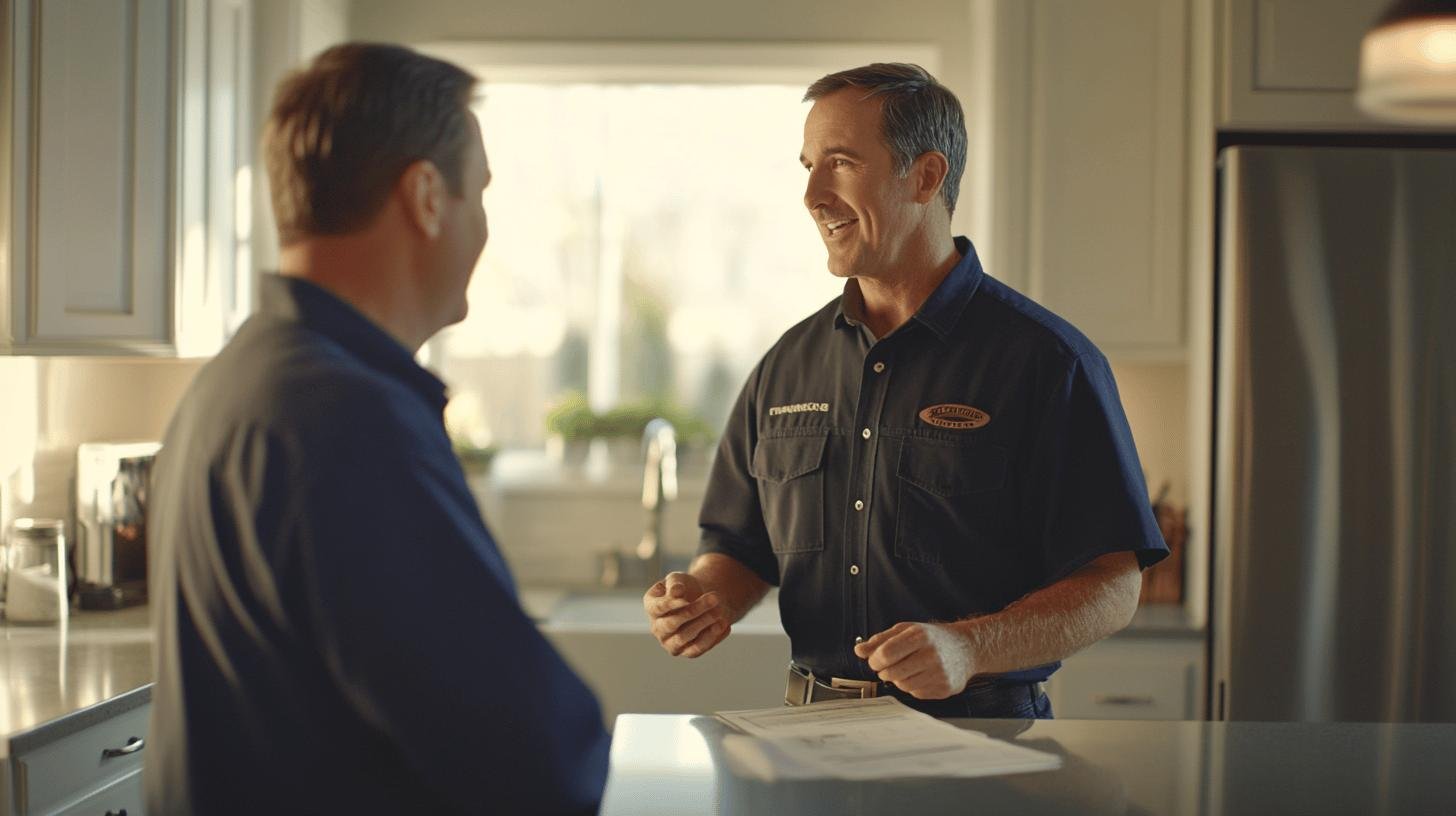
column 865, row 433
column 854, row 569
column 879, row 368
column 858, row 504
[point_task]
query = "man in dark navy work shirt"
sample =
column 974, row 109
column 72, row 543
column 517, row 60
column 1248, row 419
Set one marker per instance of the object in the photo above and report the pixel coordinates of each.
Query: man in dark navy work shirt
column 336, row 630
column 935, row 471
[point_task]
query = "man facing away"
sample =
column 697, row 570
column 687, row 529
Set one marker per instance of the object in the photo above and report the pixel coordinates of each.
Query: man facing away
column 935, row 471
column 336, row 630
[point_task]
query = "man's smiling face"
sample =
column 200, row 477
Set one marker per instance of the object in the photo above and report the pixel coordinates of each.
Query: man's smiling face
column 864, row 209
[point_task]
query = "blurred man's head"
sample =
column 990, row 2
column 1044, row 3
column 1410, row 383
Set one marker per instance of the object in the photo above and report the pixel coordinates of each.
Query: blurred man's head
column 885, row 146
column 374, row 148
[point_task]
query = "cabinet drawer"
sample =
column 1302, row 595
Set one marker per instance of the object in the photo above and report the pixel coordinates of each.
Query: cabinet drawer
column 55, row 774
column 1111, row 683
column 122, row 797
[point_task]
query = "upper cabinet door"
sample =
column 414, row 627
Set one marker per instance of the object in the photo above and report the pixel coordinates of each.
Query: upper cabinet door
column 92, row 204
column 122, row 159
column 1293, row 65
column 1108, row 130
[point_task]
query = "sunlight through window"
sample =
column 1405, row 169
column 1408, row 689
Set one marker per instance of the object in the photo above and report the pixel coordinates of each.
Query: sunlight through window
column 647, row 244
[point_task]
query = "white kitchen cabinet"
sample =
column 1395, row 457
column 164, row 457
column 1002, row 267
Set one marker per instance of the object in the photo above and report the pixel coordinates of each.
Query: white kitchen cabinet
column 1132, row 678
column 1107, row 142
column 1291, row 65
column 122, row 141
column 87, row 762
column 122, row 797
column 215, row 280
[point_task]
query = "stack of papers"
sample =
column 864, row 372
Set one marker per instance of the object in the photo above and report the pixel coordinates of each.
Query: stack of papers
column 879, row 738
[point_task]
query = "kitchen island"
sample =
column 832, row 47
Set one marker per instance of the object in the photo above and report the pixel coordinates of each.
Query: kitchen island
column 674, row 764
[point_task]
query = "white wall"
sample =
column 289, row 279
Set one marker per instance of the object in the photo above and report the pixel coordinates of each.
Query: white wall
column 52, row 404
column 1155, row 397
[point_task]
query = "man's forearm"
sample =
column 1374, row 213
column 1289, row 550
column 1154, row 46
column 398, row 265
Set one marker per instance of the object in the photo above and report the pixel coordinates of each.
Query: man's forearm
column 1056, row 621
column 738, row 586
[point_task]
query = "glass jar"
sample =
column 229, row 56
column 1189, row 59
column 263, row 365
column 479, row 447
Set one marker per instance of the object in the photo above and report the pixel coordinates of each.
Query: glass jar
column 35, row 575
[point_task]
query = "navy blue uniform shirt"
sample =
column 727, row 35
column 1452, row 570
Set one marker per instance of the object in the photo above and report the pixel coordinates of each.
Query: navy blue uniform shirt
column 336, row 630
column 976, row 454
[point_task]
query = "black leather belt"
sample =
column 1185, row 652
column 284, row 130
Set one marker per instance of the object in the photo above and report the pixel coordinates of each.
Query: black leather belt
column 804, row 688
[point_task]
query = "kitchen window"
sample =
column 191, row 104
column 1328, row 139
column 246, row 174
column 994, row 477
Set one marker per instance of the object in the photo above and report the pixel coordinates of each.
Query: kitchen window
column 648, row 239
column 647, row 243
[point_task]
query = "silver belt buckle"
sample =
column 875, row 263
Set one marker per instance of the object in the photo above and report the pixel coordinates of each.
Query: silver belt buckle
column 801, row 685
column 866, row 688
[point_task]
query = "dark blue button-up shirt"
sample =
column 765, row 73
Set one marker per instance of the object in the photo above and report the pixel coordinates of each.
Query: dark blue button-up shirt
column 974, row 455
column 336, row 630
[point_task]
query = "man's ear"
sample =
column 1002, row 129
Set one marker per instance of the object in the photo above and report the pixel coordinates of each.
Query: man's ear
column 421, row 189
column 929, row 171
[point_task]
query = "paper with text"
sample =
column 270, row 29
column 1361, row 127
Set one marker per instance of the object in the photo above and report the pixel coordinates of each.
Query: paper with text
column 879, row 738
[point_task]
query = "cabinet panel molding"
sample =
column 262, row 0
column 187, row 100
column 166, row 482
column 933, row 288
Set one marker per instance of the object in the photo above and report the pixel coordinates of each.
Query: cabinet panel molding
column 1293, row 65
column 101, row 191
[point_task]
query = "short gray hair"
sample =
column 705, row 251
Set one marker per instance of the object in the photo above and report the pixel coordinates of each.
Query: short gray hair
column 918, row 115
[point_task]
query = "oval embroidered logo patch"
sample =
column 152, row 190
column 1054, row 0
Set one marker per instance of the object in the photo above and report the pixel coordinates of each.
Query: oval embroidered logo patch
column 954, row 416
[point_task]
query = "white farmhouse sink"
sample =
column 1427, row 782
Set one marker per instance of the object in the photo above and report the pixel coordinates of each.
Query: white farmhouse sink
column 604, row 636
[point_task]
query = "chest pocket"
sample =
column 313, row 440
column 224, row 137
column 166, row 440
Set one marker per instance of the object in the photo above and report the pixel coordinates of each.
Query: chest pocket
column 950, row 497
column 790, row 474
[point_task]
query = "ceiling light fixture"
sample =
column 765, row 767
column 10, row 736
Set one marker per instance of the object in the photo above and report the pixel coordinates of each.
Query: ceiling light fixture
column 1408, row 64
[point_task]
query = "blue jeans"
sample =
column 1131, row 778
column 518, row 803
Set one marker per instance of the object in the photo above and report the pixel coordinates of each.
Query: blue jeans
column 1006, row 701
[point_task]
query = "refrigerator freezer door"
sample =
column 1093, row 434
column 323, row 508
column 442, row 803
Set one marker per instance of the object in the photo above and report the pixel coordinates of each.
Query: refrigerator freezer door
column 1335, row 508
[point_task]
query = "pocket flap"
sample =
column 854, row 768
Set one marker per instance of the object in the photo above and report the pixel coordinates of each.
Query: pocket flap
column 952, row 470
column 781, row 458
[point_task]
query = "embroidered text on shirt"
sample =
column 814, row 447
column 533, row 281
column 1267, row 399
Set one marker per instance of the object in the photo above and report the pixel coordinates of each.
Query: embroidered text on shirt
column 799, row 408
column 955, row 416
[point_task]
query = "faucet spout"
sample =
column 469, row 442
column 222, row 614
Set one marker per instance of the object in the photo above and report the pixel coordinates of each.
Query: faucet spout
column 659, row 486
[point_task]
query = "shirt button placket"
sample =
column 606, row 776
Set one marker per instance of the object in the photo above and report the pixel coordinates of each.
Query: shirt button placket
column 871, row 396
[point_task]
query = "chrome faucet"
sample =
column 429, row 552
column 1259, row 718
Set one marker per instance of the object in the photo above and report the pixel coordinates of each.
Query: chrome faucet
column 659, row 486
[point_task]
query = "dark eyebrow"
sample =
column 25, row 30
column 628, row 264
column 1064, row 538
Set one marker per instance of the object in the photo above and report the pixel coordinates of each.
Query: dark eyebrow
column 837, row 150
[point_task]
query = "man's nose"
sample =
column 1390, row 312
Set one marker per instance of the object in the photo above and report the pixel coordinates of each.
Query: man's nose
column 816, row 192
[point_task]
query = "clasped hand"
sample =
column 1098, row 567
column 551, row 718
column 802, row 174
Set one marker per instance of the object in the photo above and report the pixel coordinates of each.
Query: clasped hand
column 686, row 620
column 928, row 661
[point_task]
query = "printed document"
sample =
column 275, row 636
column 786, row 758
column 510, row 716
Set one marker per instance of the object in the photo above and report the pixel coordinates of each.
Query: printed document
column 878, row 738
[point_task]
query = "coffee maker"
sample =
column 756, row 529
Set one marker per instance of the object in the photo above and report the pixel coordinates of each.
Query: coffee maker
column 110, row 524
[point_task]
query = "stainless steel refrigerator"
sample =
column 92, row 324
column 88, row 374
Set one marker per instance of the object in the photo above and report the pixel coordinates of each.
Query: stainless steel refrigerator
column 1334, row 556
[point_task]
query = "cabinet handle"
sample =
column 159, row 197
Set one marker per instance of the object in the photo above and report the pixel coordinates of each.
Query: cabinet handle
column 1122, row 700
column 132, row 746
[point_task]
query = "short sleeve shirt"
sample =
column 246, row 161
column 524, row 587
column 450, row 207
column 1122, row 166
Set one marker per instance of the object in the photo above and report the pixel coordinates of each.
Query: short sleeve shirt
column 974, row 455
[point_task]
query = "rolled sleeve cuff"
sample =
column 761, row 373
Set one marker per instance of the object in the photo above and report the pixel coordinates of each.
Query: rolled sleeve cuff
column 756, row 556
column 1147, row 554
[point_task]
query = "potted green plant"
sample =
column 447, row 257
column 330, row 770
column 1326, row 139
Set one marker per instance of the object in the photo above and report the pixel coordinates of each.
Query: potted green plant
column 570, row 426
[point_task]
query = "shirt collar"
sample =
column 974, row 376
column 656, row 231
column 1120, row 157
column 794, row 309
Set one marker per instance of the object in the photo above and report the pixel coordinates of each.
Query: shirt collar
column 942, row 310
column 318, row 309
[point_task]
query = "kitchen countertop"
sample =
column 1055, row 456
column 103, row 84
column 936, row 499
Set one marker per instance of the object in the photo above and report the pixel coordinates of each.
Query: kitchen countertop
column 51, row 671
column 671, row 764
